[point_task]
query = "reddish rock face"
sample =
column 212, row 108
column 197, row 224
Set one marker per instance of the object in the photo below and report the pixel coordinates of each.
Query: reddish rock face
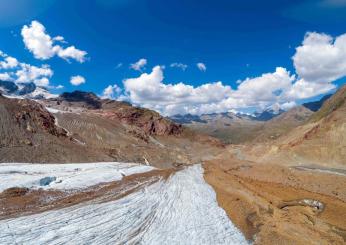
column 33, row 117
column 150, row 122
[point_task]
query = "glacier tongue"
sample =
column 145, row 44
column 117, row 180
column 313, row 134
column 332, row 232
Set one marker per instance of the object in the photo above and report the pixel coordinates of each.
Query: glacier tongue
column 181, row 210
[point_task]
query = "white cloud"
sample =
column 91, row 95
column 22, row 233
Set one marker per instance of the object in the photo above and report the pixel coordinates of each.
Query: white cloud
column 24, row 73
column 42, row 82
column 319, row 61
column 320, row 58
column 59, row 39
column 37, row 41
column 59, row 87
column 72, row 53
column 111, row 92
column 179, row 65
column 201, row 66
column 5, row 77
column 9, row 63
column 42, row 45
column 139, row 65
column 28, row 73
column 148, row 90
column 77, row 80
column 303, row 89
column 264, row 90
column 288, row 105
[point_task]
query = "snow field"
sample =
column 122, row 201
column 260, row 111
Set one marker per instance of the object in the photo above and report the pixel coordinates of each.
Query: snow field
column 181, row 210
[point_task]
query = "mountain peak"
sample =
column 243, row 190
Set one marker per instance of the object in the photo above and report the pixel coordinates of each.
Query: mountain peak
column 89, row 99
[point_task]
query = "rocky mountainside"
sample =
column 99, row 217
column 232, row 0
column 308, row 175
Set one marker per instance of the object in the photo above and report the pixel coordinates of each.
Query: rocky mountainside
column 228, row 127
column 316, row 105
column 80, row 127
column 264, row 115
column 320, row 140
column 236, row 128
column 282, row 124
column 267, row 114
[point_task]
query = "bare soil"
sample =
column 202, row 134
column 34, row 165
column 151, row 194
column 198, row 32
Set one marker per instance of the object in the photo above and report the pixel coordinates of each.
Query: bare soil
column 274, row 204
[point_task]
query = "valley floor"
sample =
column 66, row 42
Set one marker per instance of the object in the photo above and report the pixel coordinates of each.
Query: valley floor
column 223, row 201
column 275, row 204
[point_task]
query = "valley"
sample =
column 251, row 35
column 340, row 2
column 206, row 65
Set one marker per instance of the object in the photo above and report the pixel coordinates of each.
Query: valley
column 128, row 175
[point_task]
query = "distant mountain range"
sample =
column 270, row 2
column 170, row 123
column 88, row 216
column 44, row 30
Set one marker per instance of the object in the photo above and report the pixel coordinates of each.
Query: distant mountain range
column 316, row 105
column 261, row 126
column 265, row 115
column 262, row 116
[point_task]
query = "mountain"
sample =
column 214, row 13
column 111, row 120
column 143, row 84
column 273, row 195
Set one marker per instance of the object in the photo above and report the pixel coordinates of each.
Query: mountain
column 8, row 87
column 187, row 118
column 229, row 127
column 267, row 114
column 81, row 99
column 24, row 90
column 321, row 139
column 283, row 123
column 237, row 128
column 80, row 127
column 316, row 105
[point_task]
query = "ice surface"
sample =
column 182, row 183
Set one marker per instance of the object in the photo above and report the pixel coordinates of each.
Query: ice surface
column 67, row 176
column 53, row 110
column 181, row 210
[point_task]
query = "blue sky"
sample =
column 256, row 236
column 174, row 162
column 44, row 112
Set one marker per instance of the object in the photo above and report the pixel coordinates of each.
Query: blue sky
column 234, row 39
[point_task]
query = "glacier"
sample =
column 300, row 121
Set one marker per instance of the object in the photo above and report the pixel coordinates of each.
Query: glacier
column 180, row 210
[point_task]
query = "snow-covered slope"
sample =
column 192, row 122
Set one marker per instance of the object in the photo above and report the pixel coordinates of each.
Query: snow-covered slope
column 65, row 176
column 24, row 90
column 181, row 210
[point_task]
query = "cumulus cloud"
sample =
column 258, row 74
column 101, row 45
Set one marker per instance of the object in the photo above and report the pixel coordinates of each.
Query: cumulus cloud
column 303, row 89
column 150, row 91
column 263, row 90
column 38, row 75
column 42, row 45
column 111, row 92
column 320, row 60
column 9, row 63
column 139, row 65
column 5, row 76
column 179, row 65
column 201, row 66
column 20, row 72
column 288, row 105
column 77, row 80
column 59, row 39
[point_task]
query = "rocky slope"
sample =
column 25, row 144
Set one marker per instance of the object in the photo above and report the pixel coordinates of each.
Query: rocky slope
column 316, row 105
column 80, row 127
column 229, row 127
column 320, row 140
column 282, row 124
column 232, row 128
